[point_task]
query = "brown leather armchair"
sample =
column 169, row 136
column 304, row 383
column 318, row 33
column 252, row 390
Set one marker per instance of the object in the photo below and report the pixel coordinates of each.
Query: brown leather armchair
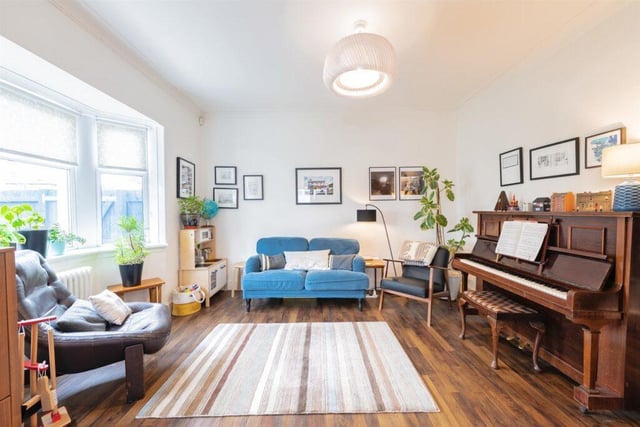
column 145, row 331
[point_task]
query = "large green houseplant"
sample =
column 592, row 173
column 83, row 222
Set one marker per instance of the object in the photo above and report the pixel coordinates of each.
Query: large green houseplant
column 131, row 251
column 21, row 225
column 431, row 215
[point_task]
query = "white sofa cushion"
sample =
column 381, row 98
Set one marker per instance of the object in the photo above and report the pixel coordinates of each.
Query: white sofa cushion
column 307, row 260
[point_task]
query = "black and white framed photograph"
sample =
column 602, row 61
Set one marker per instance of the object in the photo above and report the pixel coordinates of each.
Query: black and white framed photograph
column 555, row 160
column 225, row 175
column 382, row 183
column 594, row 144
column 226, row 198
column 411, row 184
column 253, row 187
column 318, row 186
column 511, row 167
column 186, row 179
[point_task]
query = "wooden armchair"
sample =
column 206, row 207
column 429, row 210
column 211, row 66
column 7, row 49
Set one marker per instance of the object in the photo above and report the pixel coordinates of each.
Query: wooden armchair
column 420, row 283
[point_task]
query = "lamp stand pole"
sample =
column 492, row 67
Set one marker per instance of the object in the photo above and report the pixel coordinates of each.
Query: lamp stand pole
column 387, row 233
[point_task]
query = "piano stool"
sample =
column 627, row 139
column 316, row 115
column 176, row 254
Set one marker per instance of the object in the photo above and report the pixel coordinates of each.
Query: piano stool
column 497, row 308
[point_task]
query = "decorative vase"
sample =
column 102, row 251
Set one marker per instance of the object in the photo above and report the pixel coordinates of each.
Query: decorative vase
column 190, row 220
column 131, row 274
column 37, row 240
column 57, row 248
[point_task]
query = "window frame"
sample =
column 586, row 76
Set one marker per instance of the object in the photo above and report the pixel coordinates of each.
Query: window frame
column 84, row 178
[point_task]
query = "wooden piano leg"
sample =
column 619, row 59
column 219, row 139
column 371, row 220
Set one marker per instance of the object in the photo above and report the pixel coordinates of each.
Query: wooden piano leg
column 590, row 358
column 588, row 394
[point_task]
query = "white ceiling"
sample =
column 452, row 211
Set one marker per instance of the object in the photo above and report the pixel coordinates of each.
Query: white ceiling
column 257, row 55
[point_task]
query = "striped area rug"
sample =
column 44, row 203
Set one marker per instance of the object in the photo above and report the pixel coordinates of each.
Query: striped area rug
column 293, row 368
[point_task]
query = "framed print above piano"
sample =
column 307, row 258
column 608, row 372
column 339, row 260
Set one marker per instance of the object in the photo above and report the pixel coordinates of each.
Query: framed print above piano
column 555, row 160
column 511, row 167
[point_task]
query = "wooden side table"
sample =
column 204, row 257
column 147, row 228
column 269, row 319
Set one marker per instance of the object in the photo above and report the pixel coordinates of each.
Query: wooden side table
column 154, row 285
column 236, row 277
column 375, row 264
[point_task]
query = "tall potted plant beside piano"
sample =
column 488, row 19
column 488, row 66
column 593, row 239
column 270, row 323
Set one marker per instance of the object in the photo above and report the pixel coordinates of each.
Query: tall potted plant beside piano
column 432, row 217
column 130, row 251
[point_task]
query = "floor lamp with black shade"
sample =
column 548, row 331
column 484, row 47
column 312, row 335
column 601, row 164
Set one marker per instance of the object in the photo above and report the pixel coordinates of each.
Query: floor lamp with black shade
column 369, row 215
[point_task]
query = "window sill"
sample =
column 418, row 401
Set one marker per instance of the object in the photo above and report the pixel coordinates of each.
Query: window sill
column 96, row 253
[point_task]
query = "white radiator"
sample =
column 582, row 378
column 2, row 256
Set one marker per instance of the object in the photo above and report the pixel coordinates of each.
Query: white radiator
column 78, row 280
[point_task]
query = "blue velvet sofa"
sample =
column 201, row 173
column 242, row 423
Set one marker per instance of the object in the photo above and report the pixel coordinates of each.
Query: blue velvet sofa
column 343, row 277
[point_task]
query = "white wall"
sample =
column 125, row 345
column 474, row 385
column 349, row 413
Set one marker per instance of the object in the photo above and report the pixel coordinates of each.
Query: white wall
column 275, row 144
column 587, row 85
column 40, row 27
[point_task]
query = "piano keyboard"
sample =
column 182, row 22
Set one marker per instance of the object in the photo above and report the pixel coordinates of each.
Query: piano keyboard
column 538, row 286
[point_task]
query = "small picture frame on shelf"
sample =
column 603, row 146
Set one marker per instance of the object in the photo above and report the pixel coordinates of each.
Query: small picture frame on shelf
column 226, row 198
column 253, row 188
column 225, row 175
column 382, row 183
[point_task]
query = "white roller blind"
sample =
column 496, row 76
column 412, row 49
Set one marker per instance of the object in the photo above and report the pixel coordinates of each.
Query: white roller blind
column 33, row 126
column 122, row 146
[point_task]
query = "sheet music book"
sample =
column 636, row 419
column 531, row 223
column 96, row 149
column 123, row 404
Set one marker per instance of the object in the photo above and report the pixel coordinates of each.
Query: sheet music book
column 521, row 239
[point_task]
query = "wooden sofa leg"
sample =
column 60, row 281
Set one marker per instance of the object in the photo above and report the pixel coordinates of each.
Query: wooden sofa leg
column 247, row 304
column 134, row 372
column 381, row 299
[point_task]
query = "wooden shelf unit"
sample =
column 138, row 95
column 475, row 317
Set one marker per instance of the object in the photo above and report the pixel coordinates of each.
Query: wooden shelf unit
column 211, row 276
column 10, row 360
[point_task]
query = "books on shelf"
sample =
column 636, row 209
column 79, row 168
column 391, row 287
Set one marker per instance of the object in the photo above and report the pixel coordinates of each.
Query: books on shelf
column 521, row 239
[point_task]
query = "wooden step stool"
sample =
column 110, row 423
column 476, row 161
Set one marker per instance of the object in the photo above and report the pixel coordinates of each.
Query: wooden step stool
column 497, row 308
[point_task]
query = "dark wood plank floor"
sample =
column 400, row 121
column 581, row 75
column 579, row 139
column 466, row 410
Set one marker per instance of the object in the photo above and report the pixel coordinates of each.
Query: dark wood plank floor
column 457, row 372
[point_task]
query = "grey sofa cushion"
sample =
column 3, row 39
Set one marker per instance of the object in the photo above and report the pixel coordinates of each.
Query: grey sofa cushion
column 341, row 262
column 272, row 262
column 81, row 317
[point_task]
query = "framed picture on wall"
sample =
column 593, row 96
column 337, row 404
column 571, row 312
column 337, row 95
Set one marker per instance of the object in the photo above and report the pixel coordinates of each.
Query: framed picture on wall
column 594, row 144
column 382, row 183
column 511, row 167
column 252, row 185
column 186, row 180
column 225, row 175
column 318, row 186
column 555, row 160
column 411, row 183
column 226, row 198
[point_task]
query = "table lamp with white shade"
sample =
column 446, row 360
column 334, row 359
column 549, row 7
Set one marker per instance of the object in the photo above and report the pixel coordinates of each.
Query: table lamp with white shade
column 623, row 161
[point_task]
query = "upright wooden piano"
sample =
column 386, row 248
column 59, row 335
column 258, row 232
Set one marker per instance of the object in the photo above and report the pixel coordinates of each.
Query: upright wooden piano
column 587, row 285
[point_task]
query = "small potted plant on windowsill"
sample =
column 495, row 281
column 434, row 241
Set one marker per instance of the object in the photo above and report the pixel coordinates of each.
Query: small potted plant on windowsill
column 131, row 251
column 59, row 239
column 27, row 222
column 191, row 209
column 431, row 217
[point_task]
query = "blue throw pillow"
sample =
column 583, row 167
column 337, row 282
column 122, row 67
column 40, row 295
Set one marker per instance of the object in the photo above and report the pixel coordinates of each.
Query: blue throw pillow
column 272, row 262
column 341, row 262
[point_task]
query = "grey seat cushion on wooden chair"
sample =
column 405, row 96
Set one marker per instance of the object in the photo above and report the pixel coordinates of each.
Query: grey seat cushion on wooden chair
column 415, row 279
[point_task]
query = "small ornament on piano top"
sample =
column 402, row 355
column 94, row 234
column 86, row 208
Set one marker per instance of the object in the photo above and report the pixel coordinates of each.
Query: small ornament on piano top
column 503, row 203
column 513, row 204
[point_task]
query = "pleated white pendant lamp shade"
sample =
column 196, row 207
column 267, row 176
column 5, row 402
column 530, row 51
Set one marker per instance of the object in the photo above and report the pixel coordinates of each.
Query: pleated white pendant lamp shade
column 360, row 65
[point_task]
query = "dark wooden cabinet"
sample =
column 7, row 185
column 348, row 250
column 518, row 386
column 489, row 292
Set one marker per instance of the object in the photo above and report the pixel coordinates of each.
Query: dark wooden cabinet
column 9, row 358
